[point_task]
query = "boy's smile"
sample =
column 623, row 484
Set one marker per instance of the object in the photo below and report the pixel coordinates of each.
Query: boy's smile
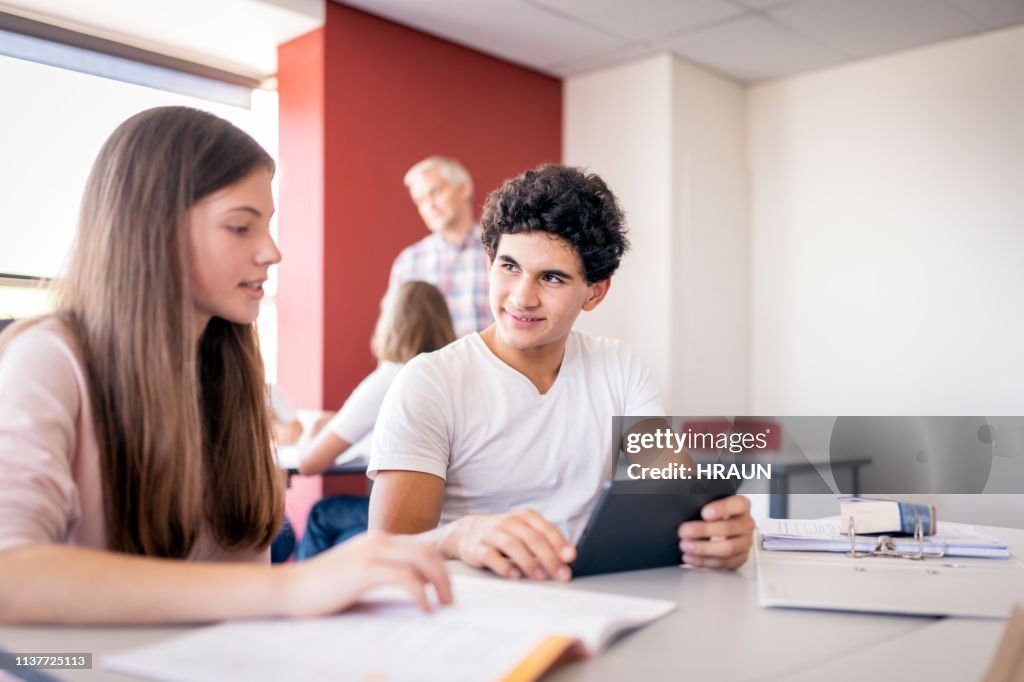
column 537, row 289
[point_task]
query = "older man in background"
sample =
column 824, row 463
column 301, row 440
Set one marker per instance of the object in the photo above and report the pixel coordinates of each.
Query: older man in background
column 451, row 257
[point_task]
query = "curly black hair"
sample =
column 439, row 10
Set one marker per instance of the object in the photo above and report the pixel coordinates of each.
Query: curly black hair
column 565, row 202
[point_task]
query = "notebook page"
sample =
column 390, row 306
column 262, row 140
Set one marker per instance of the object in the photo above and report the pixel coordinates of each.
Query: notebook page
column 378, row 646
column 590, row 617
column 493, row 625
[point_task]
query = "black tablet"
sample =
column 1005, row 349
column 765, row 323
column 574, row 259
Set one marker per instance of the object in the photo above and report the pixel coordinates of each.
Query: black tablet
column 634, row 527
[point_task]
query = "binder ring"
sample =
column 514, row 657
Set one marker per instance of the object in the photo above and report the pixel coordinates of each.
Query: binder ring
column 885, row 545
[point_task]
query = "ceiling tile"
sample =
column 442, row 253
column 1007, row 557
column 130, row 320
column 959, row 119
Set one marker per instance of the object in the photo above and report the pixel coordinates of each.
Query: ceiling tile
column 763, row 4
column 752, row 49
column 774, row 38
column 508, row 29
column 865, row 28
column 992, row 13
column 643, row 19
column 598, row 61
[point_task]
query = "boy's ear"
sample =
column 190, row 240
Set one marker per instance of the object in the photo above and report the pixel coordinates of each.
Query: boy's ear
column 596, row 293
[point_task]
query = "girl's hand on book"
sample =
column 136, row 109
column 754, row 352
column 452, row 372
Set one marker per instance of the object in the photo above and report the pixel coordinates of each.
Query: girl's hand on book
column 336, row 579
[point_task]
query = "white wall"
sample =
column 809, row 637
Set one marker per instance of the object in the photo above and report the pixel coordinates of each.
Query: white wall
column 669, row 138
column 711, row 256
column 617, row 123
column 888, row 233
column 842, row 242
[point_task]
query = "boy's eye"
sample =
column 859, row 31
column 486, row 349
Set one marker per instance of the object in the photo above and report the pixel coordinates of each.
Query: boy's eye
column 509, row 267
column 553, row 279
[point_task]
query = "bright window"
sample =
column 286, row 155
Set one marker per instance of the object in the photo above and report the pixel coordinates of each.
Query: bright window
column 52, row 124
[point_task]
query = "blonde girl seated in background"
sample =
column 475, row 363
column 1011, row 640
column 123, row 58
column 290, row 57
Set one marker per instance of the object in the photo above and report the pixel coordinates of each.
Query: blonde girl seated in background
column 136, row 474
column 414, row 319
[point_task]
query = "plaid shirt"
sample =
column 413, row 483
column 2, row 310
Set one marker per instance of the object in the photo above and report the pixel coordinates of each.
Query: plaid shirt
column 460, row 272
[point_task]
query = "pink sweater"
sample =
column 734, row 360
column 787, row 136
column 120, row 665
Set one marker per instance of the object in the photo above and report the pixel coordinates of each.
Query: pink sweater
column 50, row 485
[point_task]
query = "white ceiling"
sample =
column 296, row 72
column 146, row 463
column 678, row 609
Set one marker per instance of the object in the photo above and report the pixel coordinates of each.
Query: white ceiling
column 749, row 40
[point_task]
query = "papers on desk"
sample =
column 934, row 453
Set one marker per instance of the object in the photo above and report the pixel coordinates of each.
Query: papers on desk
column 495, row 630
column 825, row 535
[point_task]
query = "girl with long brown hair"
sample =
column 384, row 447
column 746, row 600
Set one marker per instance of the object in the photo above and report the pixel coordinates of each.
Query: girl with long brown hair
column 136, row 476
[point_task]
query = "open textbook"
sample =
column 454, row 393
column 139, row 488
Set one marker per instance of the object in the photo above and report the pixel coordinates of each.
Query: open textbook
column 825, row 535
column 496, row 630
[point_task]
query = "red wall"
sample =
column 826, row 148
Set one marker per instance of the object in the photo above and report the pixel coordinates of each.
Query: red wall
column 390, row 96
column 361, row 100
column 300, row 219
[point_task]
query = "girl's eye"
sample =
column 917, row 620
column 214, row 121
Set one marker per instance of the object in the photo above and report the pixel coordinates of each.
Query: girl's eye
column 238, row 229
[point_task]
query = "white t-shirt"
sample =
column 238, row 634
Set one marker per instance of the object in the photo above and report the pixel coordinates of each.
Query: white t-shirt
column 464, row 415
column 354, row 422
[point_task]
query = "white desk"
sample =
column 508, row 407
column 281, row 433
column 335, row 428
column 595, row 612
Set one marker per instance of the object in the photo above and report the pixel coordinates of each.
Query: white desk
column 718, row 633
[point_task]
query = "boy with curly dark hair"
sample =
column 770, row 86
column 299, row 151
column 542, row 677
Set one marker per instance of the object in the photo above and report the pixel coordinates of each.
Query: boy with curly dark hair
column 564, row 202
column 502, row 436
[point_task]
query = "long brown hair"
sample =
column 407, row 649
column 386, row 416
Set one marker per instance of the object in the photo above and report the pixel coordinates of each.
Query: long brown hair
column 183, row 431
column 414, row 319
